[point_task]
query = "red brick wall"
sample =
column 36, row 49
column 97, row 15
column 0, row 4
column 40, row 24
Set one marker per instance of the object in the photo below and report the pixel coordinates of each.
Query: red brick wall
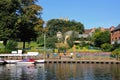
column 115, row 35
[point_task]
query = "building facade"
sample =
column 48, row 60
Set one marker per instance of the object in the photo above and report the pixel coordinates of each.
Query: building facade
column 115, row 34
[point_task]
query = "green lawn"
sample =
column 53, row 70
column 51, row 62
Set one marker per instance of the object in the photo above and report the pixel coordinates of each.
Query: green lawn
column 84, row 50
column 33, row 46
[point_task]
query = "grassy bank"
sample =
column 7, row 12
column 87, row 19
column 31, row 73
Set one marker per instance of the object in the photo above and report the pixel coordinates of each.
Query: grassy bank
column 33, row 46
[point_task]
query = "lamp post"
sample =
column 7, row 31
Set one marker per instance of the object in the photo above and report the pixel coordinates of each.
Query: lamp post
column 45, row 44
column 44, row 40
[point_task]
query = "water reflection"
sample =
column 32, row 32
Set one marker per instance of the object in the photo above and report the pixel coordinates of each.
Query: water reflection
column 83, row 72
column 60, row 72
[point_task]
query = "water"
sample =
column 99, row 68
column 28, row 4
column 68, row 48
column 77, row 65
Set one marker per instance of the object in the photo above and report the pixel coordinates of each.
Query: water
column 65, row 71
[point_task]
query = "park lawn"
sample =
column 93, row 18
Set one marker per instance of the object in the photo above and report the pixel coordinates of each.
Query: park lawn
column 33, row 46
column 27, row 45
column 84, row 50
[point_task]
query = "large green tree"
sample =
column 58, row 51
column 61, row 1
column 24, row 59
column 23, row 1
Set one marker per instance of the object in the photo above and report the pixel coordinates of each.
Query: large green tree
column 8, row 17
column 29, row 20
column 100, row 37
column 55, row 25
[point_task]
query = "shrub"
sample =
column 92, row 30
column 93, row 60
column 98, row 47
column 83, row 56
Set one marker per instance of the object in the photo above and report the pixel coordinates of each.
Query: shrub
column 11, row 45
column 106, row 47
column 116, row 53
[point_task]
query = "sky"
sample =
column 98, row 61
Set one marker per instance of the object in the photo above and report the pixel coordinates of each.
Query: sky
column 91, row 13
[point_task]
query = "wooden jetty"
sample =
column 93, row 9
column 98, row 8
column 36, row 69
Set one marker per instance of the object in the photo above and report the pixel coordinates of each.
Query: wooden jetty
column 81, row 61
column 84, row 61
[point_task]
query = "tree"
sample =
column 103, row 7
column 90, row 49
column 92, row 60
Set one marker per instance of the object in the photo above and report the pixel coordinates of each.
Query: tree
column 29, row 20
column 55, row 25
column 101, row 37
column 8, row 18
column 50, row 42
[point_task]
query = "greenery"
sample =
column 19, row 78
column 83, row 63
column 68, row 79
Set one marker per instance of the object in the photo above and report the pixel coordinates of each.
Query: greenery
column 21, row 22
column 28, row 18
column 8, row 18
column 116, row 53
column 40, row 41
column 50, row 42
column 106, row 47
column 55, row 25
column 100, row 37
column 84, row 49
column 11, row 45
column 73, row 37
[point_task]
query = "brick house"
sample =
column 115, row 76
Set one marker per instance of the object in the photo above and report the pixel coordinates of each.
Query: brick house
column 115, row 34
column 89, row 32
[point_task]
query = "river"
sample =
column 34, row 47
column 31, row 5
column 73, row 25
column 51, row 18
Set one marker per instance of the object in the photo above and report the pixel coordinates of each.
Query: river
column 61, row 71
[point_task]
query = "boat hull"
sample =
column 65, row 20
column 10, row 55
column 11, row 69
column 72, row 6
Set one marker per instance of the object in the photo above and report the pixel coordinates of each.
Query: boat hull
column 3, row 62
column 12, row 61
column 25, row 62
column 40, row 61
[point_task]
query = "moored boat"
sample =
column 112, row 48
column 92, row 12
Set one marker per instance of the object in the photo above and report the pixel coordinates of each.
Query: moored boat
column 26, row 61
column 2, row 62
column 40, row 61
column 12, row 61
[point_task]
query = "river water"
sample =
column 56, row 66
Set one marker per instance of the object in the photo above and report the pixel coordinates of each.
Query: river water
column 61, row 71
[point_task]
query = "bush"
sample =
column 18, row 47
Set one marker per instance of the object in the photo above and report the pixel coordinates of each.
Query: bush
column 106, row 47
column 62, row 49
column 11, row 45
column 116, row 53
column 40, row 40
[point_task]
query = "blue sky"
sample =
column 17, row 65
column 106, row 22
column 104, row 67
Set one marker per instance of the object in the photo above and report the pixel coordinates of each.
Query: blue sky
column 91, row 13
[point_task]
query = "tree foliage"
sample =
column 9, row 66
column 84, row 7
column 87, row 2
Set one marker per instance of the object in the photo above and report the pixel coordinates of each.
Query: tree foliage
column 20, row 19
column 11, row 45
column 29, row 20
column 116, row 53
column 106, row 47
column 8, row 18
column 100, row 37
column 50, row 42
column 55, row 25
column 73, row 37
column 40, row 40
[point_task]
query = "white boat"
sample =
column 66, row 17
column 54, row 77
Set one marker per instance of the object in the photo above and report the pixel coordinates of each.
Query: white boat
column 40, row 61
column 2, row 62
column 26, row 61
column 12, row 61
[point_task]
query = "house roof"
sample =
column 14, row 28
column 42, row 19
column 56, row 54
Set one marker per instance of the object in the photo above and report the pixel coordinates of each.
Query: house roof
column 70, row 32
column 87, row 31
column 117, row 28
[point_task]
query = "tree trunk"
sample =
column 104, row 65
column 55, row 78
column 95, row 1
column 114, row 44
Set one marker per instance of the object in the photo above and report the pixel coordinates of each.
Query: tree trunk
column 117, row 57
column 23, row 46
column 5, row 42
